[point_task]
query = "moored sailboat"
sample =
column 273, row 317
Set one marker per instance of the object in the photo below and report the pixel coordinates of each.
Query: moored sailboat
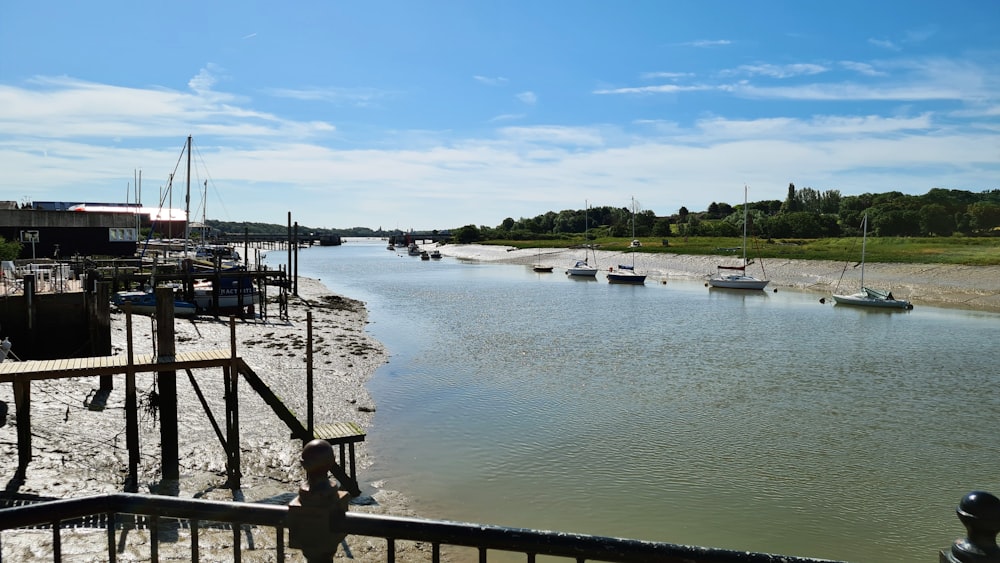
column 626, row 273
column 868, row 297
column 583, row 267
column 735, row 277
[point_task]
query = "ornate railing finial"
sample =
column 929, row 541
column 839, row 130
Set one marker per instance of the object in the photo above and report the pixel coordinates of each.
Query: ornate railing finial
column 980, row 514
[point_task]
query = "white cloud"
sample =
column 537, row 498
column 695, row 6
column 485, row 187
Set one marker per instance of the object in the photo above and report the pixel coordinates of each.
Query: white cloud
column 782, row 71
column 659, row 89
column 708, row 43
column 527, row 98
column 884, row 43
column 490, row 80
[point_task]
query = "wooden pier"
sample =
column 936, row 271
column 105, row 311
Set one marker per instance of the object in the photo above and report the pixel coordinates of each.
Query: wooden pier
column 166, row 364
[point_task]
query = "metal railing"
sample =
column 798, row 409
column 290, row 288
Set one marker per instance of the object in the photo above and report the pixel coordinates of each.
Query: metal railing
column 978, row 511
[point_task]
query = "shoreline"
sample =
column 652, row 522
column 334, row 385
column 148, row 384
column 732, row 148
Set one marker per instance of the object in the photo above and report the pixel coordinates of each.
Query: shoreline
column 937, row 285
column 79, row 452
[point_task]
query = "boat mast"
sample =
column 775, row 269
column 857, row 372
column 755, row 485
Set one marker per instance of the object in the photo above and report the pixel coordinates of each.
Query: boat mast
column 864, row 241
column 744, row 225
column 633, row 232
column 187, row 200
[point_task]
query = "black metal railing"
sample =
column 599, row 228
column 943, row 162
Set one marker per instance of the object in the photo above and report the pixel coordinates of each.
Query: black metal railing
column 978, row 511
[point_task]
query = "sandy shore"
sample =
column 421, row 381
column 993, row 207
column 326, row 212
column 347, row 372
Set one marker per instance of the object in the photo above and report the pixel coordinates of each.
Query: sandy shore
column 80, row 452
column 942, row 285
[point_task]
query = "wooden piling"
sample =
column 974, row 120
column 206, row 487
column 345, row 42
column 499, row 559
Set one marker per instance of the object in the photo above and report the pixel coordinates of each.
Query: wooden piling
column 131, row 410
column 166, row 382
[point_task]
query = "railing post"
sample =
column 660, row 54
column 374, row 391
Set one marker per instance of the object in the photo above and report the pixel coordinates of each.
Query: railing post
column 319, row 504
column 980, row 514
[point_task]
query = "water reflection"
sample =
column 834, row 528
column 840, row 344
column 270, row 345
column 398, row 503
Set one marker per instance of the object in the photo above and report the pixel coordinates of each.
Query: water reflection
column 748, row 420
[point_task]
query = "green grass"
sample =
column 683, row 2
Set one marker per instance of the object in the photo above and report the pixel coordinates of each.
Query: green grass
column 968, row 251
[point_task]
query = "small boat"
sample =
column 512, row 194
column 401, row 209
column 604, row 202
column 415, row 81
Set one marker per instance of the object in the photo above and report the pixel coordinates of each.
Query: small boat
column 436, row 254
column 424, row 255
column 539, row 267
column 624, row 273
column 735, row 277
column 413, row 249
column 869, row 297
column 144, row 303
column 584, row 267
column 234, row 293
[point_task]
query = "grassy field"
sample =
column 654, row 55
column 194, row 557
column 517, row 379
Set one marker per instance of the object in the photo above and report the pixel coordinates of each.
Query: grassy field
column 979, row 251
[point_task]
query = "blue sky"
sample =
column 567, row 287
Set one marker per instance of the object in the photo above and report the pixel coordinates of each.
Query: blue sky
column 438, row 114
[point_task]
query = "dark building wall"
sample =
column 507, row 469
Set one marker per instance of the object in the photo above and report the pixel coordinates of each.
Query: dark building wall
column 87, row 234
column 59, row 327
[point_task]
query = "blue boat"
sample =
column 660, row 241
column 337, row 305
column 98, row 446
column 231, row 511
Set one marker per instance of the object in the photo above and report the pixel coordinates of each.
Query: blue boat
column 144, row 303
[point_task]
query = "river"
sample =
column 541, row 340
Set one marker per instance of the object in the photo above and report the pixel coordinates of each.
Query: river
column 758, row 421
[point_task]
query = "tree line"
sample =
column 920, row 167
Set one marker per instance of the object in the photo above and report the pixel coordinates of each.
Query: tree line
column 804, row 213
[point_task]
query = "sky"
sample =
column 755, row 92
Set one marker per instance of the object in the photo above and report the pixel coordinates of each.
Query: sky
column 439, row 114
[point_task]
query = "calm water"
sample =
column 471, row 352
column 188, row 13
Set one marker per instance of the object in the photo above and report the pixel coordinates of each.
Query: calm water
column 761, row 421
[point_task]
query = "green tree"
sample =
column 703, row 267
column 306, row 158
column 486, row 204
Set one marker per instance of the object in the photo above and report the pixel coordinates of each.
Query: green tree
column 936, row 220
column 985, row 215
column 9, row 250
column 467, row 234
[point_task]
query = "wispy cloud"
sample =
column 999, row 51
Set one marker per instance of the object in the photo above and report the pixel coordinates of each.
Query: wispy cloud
column 527, row 98
column 861, row 68
column 884, row 44
column 705, row 43
column 490, row 80
column 666, row 75
column 360, row 97
column 780, row 71
column 659, row 89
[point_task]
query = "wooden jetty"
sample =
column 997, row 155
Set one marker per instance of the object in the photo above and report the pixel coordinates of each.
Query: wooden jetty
column 166, row 363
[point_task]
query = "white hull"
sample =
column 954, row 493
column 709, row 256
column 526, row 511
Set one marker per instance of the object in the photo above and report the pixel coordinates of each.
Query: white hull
column 229, row 297
column 864, row 299
column 589, row 271
column 738, row 282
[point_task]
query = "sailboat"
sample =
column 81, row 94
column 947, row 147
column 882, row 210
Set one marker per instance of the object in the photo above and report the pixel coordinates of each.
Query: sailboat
column 583, row 267
column 539, row 267
column 869, row 297
column 624, row 273
column 735, row 277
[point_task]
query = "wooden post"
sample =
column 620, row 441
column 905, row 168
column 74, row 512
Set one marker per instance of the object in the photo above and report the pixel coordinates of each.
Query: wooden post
column 22, row 403
column 309, row 374
column 232, row 375
column 288, row 267
column 131, row 411
column 100, row 324
column 295, row 238
column 166, row 382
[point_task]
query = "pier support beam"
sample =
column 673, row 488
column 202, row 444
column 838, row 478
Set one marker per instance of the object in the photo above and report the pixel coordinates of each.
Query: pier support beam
column 166, row 382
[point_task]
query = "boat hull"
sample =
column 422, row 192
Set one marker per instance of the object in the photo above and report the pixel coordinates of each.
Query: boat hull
column 144, row 303
column 626, row 278
column 234, row 294
column 738, row 282
column 865, row 299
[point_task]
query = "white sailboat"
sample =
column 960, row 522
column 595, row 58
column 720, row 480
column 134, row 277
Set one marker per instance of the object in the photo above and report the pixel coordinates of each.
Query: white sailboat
column 869, row 297
column 735, row 277
column 625, row 273
column 584, row 268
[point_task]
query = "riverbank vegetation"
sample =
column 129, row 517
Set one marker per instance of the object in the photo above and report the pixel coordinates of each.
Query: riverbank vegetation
column 942, row 226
